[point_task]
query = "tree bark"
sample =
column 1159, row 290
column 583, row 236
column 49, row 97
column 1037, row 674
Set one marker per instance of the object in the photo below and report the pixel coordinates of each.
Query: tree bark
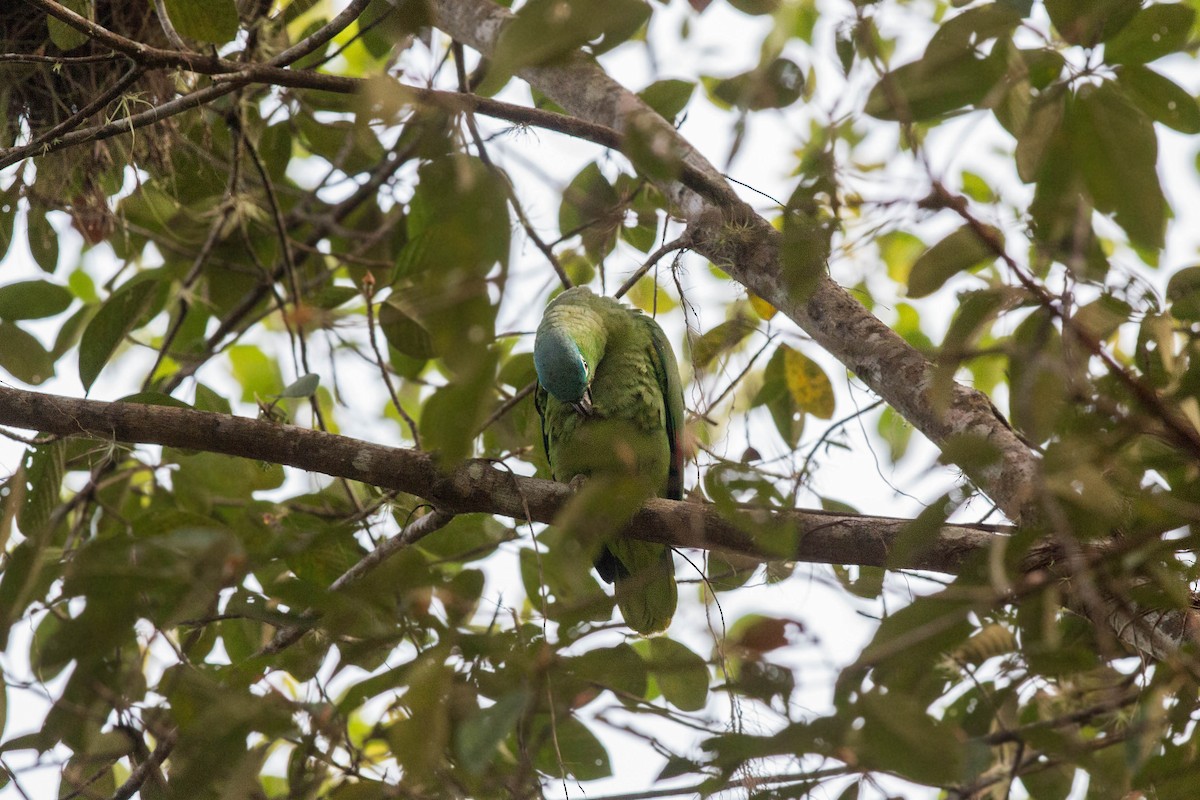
column 481, row 486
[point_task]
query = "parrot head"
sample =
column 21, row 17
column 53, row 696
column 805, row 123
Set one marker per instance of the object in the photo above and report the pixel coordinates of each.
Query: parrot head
column 562, row 369
column 569, row 345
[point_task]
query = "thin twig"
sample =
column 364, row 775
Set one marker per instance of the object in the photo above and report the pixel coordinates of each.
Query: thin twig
column 508, row 405
column 145, row 769
column 413, row 532
column 680, row 243
column 368, row 289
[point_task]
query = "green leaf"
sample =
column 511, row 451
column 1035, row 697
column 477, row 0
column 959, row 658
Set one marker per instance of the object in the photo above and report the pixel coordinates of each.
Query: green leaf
column 352, row 147
column 619, row 668
column 304, row 386
column 775, row 395
column 1053, row 783
column 651, row 147
column 257, row 374
column 755, row 7
column 44, row 471
column 214, row 21
column 1183, row 292
column 8, row 212
column 63, row 35
column 668, row 97
column 458, row 223
column 477, row 738
column 128, row 308
column 1041, row 131
column 900, row 737
column 1117, row 152
column 591, row 208
column 1155, row 31
column 899, row 251
column 154, row 399
column 896, row 431
column 403, row 332
column 33, row 300
column 451, row 417
column 935, row 85
column 1036, row 376
column 43, row 240
column 776, row 84
column 573, row 749
column 969, row 30
column 23, row 356
column 1163, row 100
column 1089, row 22
column 682, row 676
column 961, row 251
column 544, row 31
column 723, row 338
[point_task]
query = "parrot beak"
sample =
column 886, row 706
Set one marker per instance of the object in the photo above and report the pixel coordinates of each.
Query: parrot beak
column 584, row 406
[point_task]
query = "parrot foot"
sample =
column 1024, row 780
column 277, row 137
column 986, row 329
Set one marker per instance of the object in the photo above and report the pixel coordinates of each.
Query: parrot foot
column 576, row 483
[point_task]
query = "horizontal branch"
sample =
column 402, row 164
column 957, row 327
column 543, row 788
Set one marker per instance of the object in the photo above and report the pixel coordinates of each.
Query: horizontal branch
column 482, row 486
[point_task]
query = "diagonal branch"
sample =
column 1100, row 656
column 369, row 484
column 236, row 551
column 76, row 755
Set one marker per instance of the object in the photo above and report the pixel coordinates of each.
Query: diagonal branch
column 729, row 232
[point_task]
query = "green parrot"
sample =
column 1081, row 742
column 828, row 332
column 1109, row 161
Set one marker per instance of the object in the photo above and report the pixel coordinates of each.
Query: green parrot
column 611, row 404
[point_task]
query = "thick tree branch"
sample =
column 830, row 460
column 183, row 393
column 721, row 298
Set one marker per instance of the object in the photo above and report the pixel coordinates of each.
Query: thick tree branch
column 479, row 486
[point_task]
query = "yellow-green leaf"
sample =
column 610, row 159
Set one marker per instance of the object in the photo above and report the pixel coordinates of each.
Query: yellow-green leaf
column 63, row 35
column 808, row 384
column 761, row 307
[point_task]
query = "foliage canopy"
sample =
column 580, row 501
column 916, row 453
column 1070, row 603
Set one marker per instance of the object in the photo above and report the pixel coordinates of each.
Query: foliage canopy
column 330, row 214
